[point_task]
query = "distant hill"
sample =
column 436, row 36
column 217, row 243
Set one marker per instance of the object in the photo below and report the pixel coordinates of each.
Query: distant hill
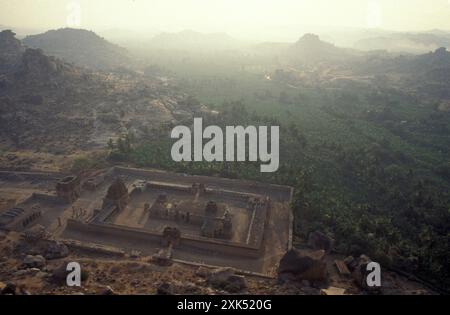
column 82, row 47
column 310, row 48
column 428, row 74
column 413, row 65
column 416, row 65
column 194, row 41
column 414, row 43
column 439, row 59
column 28, row 68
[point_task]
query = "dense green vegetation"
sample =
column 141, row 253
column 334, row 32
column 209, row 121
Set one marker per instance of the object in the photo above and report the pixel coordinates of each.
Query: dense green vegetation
column 370, row 164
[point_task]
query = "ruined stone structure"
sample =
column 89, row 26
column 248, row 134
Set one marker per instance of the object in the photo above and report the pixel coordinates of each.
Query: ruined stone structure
column 170, row 217
column 171, row 236
column 117, row 196
column 92, row 183
column 69, row 189
column 212, row 222
column 19, row 218
column 214, row 226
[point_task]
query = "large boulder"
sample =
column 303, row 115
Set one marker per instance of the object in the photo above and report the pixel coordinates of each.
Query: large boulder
column 298, row 266
column 34, row 261
column 318, row 240
column 8, row 289
column 35, row 234
column 165, row 288
column 227, row 280
column 56, row 250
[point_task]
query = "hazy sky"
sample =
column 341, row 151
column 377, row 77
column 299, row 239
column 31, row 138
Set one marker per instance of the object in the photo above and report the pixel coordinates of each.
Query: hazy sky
column 237, row 17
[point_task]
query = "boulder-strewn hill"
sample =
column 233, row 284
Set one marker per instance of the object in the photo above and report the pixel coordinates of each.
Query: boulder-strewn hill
column 22, row 68
column 82, row 47
column 108, row 275
column 55, row 106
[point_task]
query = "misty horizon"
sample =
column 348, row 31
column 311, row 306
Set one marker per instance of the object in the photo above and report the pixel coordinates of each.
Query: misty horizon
column 273, row 21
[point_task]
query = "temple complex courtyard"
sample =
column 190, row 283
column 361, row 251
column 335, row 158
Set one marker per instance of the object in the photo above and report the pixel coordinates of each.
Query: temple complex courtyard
column 169, row 217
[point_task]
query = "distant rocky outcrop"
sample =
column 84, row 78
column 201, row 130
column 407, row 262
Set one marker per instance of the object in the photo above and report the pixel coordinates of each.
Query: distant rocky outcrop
column 310, row 48
column 82, row 47
column 309, row 43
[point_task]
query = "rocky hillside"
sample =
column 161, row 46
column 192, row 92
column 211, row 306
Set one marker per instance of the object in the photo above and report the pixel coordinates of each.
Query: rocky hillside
column 22, row 68
column 82, row 47
column 50, row 105
column 33, row 264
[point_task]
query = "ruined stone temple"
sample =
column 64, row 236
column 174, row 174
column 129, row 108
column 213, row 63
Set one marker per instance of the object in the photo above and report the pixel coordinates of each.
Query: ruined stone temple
column 215, row 226
column 171, row 236
column 163, row 215
column 212, row 221
column 69, row 189
column 117, row 196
